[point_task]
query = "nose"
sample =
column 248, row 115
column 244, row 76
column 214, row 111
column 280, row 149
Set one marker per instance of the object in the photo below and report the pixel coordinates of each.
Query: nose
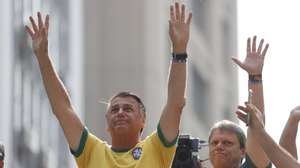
column 120, row 111
column 220, row 145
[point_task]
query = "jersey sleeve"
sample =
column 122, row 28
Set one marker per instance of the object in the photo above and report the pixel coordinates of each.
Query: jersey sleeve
column 82, row 155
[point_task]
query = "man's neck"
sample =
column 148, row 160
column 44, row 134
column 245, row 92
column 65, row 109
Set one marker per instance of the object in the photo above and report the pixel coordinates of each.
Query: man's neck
column 125, row 141
column 232, row 166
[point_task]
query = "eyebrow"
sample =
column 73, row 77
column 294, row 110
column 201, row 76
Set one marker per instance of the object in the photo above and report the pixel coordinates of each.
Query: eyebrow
column 122, row 105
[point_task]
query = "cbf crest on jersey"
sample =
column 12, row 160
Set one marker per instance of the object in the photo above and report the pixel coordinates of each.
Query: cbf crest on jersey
column 136, row 153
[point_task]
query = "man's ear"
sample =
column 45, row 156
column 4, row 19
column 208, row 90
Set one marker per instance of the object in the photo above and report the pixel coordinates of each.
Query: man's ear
column 144, row 123
column 107, row 126
column 243, row 152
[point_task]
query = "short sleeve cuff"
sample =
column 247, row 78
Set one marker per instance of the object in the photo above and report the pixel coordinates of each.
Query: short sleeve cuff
column 164, row 140
column 83, row 140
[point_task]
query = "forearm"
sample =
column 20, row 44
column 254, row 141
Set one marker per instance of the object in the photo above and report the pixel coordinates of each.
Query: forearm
column 254, row 150
column 279, row 157
column 177, row 84
column 57, row 94
column 258, row 96
column 60, row 102
column 288, row 137
column 170, row 118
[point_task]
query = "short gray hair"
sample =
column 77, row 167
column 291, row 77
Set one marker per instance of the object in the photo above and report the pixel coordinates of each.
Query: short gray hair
column 226, row 125
column 136, row 98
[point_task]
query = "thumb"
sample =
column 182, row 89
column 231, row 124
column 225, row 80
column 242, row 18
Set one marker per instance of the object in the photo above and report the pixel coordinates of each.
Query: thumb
column 238, row 62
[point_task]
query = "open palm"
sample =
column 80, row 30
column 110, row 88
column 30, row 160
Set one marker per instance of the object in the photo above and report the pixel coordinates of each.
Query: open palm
column 39, row 34
column 254, row 60
column 179, row 28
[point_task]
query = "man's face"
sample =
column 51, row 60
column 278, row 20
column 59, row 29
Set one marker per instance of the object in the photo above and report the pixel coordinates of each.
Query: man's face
column 124, row 116
column 224, row 150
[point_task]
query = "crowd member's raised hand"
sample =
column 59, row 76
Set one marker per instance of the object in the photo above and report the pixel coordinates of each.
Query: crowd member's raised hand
column 254, row 61
column 253, row 64
column 278, row 155
column 256, row 117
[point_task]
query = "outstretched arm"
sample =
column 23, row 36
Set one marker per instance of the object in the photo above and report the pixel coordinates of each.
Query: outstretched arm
column 289, row 134
column 57, row 94
column 179, row 27
column 279, row 157
column 253, row 65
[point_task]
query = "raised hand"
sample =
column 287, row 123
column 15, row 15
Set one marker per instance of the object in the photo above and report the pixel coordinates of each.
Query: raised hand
column 254, row 60
column 179, row 28
column 39, row 35
column 256, row 117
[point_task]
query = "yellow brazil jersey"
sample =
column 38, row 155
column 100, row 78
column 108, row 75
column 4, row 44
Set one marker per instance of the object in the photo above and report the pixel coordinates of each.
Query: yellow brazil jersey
column 152, row 152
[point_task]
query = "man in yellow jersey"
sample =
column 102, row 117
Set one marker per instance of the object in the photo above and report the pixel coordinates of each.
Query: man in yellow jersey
column 125, row 113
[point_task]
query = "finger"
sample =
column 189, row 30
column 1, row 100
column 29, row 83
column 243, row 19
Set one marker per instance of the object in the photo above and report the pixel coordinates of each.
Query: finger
column 254, row 44
column 172, row 15
column 238, row 62
column 177, row 11
column 243, row 109
column 249, row 45
column 265, row 51
column 47, row 23
column 40, row 21
column 251, row 108
column 182, row 18
column 29, row 31
column 246, row 104
column 189, row 20
column 33, row 24
column 170, row 26
column 241, row 116
column 260, row 46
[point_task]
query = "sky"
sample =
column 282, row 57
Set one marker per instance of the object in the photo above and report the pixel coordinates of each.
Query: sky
column 278, row 22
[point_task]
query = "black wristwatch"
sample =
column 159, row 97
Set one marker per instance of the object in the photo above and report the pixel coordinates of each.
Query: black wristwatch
column 179, row 58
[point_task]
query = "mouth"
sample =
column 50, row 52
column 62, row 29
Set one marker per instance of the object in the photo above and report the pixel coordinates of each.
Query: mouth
column 120, row 122
column 219, row 154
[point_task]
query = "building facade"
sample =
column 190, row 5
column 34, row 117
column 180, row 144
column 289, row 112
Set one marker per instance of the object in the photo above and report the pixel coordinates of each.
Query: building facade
column 29, row 130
